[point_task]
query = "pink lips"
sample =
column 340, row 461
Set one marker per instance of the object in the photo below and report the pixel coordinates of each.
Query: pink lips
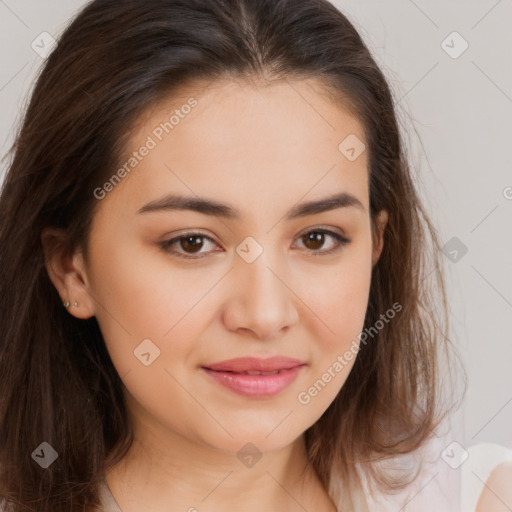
column 253, row 377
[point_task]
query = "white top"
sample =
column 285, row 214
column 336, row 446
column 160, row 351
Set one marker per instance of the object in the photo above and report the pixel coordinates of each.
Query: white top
column 483, row 458
column 108, row 501
column 437, row 486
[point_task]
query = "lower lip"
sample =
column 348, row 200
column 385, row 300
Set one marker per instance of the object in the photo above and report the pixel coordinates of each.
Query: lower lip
column 255, row 385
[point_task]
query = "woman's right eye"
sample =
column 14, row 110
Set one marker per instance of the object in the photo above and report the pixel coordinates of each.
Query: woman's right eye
column 192, row 242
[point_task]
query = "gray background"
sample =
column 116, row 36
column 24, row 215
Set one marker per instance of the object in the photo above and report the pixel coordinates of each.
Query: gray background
column 458, row 114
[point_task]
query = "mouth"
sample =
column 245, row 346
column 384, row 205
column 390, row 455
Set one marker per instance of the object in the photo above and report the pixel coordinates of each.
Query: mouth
column 274, row 372
column 257, row 378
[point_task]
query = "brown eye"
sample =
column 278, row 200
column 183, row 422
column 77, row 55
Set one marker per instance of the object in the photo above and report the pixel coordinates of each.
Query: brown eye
column 191, row 243
column 184, row 245
column 314, row 240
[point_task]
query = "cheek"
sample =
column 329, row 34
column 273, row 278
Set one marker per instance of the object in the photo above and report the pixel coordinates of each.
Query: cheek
column 345, row 304
column 338, row 298
column 338, row 320
column 140, row 296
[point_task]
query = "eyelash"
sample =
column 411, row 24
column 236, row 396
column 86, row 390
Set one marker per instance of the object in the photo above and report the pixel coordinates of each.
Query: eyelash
column 341, row 242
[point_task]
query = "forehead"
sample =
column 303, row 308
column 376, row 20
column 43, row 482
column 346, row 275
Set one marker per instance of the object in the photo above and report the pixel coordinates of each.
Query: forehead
column 274, row 141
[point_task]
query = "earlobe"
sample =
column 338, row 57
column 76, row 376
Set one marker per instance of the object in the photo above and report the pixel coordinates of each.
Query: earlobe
column 378, row 238
column 67, row 272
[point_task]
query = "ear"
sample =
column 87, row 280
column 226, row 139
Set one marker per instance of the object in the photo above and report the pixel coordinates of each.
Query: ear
column 378, row 235
column 67, row 272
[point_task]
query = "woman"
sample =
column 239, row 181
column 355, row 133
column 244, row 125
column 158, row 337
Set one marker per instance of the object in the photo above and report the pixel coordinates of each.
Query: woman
column 254, row 310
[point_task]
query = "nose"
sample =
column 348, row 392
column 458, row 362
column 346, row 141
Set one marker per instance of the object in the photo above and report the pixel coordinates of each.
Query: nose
column 261, row 302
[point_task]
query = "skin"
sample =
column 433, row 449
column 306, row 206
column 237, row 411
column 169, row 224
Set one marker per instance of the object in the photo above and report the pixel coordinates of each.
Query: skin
column 497, row 492
column 261, row 149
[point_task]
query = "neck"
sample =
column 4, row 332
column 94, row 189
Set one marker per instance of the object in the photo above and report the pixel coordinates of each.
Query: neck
column 177, row 474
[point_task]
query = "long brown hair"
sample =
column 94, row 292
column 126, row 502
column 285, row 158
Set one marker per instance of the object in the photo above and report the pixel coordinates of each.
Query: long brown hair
column 117, row 57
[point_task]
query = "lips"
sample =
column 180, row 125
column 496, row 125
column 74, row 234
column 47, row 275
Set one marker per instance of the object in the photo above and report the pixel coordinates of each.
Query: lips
column 253, row 377
column 256, row 366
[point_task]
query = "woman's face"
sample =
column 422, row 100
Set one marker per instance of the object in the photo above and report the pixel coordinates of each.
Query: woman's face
column 259, row 275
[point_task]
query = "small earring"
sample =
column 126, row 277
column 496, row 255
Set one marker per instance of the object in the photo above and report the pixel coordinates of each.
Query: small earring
column 66, row 304
column 75, row 304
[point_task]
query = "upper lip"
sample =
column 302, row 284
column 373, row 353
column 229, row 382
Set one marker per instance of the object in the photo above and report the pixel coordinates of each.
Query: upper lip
column 254, row 364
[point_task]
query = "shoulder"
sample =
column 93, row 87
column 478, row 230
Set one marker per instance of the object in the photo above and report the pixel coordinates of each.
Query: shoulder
column 497, row 493
column 487, row 478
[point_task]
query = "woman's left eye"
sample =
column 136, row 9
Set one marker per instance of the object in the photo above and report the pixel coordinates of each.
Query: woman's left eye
column 317, row 237
column 193, row 242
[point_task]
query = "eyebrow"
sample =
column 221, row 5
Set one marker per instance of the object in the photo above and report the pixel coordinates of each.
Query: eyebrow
column 211, row 207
